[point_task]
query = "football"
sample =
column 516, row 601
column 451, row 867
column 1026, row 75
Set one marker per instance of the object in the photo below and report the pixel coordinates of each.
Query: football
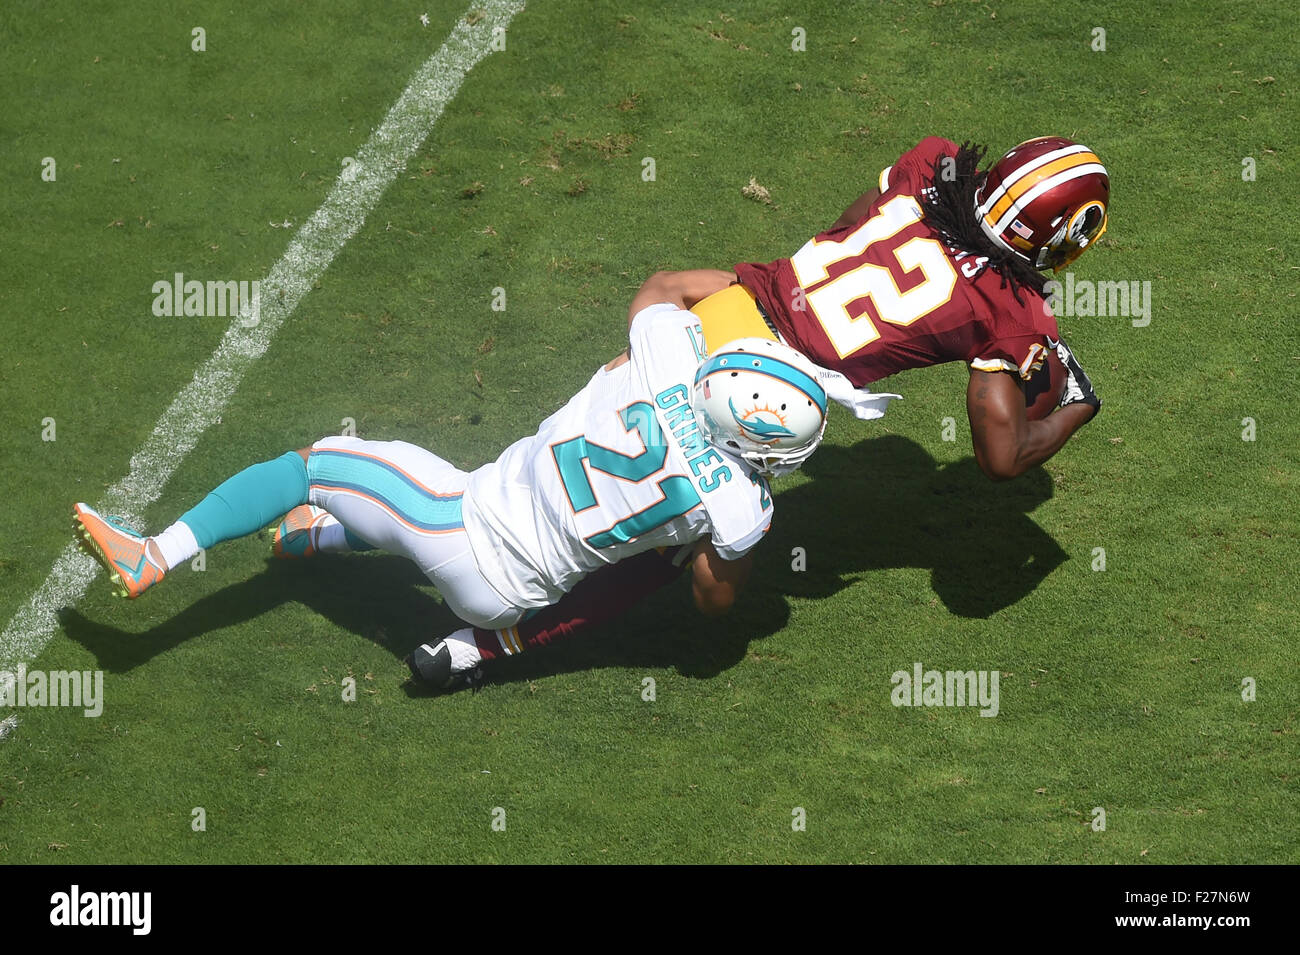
column 1043, row 391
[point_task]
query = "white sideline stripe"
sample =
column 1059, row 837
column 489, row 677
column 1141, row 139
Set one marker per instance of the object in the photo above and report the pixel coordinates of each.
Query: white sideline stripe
column 309, row 254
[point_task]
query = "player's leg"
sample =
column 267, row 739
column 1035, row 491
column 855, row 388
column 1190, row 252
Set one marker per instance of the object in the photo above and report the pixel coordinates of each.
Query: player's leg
column 406, row 500
column 241, row 505
column 599, row 597
column 308, row 530
column 596, row 599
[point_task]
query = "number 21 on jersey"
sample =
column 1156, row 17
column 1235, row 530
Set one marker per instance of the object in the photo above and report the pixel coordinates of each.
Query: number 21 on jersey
column 829, row 298
column 573, row 457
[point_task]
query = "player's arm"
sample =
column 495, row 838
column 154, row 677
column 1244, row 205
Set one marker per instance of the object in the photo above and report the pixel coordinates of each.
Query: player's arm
column 683, row 289
column 854, row 213
column 1006, row 443
column 716, row 581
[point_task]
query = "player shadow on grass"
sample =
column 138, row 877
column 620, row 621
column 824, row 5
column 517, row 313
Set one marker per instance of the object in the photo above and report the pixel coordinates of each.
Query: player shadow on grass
column 883, row 503
column 385, row 599
column 381, row 597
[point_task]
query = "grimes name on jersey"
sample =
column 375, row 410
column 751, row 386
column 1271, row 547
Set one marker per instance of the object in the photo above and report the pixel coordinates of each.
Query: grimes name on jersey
column 708, row 466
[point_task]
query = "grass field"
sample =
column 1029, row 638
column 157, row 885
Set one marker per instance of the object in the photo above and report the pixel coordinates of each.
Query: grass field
column 1121, row 688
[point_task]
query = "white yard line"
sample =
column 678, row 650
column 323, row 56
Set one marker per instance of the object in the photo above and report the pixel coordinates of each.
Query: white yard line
column 310, row 253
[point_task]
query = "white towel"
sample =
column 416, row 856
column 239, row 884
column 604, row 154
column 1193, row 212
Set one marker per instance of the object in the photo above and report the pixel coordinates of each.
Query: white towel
column 864, row 404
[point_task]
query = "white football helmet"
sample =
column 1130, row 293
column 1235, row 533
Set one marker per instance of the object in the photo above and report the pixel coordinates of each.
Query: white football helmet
column 761, row 401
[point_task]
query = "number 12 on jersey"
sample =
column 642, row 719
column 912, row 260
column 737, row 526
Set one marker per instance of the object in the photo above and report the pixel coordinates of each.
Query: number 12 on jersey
column 829, row 301
column 574, row 456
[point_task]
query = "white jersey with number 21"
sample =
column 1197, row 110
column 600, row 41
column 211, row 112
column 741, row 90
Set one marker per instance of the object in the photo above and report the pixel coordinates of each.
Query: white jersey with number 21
column 620, row 469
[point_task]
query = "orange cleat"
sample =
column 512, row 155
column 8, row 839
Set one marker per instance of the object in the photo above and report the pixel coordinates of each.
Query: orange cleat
column 121, row 550
column 299, row 530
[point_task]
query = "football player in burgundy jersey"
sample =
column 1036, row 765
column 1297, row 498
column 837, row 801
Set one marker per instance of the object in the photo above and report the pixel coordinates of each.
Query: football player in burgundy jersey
column 940, row 263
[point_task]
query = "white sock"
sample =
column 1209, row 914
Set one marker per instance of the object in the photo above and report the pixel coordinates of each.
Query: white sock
column 464, row 651
column 176, row 544
column 331, row 536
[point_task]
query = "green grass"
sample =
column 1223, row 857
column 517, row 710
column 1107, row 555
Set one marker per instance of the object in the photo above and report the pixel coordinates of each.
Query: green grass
column 1120, row 689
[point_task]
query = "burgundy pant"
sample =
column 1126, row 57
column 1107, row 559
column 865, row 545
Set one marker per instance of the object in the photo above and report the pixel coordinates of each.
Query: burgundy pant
column 600, row 596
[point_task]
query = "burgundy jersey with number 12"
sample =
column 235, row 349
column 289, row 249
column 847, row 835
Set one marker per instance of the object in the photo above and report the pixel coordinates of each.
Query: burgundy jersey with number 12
column 886, row 293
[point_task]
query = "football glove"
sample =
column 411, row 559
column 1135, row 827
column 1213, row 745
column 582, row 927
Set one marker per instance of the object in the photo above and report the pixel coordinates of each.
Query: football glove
column 1078, row 386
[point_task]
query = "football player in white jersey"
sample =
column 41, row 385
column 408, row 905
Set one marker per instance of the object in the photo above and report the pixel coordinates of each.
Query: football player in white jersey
column 663, row 447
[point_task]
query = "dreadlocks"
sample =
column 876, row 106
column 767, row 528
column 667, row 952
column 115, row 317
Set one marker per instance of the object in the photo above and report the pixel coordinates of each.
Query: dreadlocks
column 950, row 211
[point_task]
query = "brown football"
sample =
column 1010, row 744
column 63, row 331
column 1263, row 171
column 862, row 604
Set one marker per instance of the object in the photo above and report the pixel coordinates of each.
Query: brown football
column 1043, row 391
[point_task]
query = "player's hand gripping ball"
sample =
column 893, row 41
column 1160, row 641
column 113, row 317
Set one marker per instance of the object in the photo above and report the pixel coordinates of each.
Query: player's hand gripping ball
column 1044, row 390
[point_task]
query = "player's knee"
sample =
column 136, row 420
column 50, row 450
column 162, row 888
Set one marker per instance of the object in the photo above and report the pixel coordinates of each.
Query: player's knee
column 714, row 601
column 304, row 453
column 993, row 472
column 999, row 471
column 996, row 464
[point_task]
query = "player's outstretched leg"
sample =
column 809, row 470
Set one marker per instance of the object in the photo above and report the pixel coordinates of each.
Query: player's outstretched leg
column 308, row 530
column 406, row 500
column 241, row 505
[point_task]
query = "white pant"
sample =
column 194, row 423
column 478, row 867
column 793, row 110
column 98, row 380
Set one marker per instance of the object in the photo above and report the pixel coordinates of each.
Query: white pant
column 406, row 500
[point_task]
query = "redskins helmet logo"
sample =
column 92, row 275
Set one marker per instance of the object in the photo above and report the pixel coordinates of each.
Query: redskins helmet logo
column 1087, row 224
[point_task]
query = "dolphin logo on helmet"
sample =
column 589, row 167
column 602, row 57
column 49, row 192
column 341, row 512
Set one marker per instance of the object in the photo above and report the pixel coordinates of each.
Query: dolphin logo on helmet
column 758, row 428
column 760, row 401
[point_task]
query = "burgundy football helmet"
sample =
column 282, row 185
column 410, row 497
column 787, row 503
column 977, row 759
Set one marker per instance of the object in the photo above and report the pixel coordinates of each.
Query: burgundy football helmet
column 1045, row 201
